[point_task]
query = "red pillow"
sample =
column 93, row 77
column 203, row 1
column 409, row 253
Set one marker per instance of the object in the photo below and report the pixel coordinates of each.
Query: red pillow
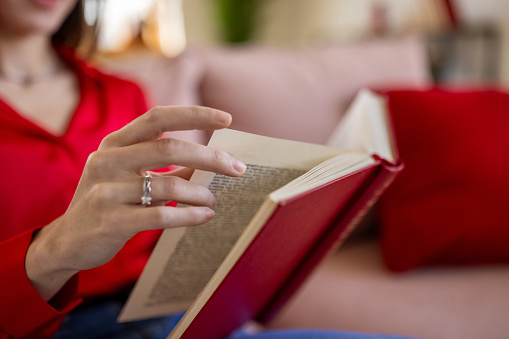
column 451, row 203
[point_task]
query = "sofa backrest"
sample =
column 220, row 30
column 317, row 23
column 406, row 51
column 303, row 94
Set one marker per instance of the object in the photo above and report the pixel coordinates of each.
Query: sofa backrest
column 302, row 94
column 297, row 94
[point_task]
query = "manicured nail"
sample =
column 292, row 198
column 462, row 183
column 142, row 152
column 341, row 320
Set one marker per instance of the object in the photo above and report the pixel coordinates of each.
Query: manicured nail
column 223, row 117
column 210, row 213
column 239, row 166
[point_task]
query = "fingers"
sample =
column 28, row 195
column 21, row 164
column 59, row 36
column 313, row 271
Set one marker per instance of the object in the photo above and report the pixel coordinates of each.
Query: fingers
column 162, row 153
column 135, row 148
column 166, row 217
column 158, row 120
column 164, row 189
column 112, row 174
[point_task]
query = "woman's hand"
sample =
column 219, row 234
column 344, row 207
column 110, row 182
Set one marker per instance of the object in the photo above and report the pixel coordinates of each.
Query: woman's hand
column 106, row 211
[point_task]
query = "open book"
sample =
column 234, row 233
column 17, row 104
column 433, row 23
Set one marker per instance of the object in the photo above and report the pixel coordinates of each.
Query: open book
column 295, row 204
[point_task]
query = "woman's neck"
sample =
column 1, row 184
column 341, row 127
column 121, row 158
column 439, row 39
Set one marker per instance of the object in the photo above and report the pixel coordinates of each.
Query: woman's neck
column 39, row 92
column 26, row 57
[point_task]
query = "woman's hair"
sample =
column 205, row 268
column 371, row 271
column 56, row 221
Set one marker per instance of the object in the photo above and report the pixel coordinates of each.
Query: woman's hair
column 75, row 32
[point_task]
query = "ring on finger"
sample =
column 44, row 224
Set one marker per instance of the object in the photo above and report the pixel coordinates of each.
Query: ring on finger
column 146, row 198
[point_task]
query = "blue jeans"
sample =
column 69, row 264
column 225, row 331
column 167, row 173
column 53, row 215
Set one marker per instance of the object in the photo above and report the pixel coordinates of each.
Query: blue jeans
column 98, row 321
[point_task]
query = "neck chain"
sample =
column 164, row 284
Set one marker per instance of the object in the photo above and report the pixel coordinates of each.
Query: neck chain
column 26, row 80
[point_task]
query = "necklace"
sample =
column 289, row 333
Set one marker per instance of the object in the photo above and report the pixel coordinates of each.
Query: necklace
column 27, row 80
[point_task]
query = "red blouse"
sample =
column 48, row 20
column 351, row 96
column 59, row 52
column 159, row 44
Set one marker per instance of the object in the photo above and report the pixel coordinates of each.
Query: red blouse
column 39, row 173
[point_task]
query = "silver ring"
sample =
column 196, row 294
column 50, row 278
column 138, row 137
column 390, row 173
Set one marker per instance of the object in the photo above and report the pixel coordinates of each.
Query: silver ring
column 146, row 199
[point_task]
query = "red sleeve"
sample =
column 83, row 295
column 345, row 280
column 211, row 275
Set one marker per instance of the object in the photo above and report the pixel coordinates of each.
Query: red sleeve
column 23, row 312
column 107, row 105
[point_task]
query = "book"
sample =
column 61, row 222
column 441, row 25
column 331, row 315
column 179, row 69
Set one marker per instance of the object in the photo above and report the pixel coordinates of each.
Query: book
column 296, row 203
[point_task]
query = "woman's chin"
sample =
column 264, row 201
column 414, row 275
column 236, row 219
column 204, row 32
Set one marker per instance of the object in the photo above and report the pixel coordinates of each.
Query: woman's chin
column 34, row 16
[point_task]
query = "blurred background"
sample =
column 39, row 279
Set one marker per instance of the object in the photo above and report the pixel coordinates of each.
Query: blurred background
column 467, row 40
column 301, row 96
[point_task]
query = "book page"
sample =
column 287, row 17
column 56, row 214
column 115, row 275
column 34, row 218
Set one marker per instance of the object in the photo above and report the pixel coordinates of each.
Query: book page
column 365, row 127
column 201, row 250
column 325, row 172
column 184, row 260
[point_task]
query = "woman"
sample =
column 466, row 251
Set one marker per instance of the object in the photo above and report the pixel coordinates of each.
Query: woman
column 55, row 112
column 76, row 146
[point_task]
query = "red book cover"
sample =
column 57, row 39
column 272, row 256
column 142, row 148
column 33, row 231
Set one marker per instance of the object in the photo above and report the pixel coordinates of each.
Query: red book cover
column 297, row 236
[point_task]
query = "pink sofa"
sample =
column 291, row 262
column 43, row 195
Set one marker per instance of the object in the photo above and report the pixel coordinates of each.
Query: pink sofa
column 301, row 94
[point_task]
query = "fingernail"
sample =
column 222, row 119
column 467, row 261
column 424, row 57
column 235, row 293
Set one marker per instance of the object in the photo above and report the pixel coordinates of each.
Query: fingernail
column 210, row 213
column 239, row 166
column 223, row 117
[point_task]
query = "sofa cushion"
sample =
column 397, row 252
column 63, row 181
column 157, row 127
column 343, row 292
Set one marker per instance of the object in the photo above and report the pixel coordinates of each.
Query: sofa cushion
column 353, row 291
column 301, row 94
column 450, row 204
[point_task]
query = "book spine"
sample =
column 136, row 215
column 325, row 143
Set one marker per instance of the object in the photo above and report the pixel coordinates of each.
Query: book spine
column 334, row 236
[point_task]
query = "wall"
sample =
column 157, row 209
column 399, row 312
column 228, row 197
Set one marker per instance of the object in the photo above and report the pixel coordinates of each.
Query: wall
column 302, row 22
column 298, row 22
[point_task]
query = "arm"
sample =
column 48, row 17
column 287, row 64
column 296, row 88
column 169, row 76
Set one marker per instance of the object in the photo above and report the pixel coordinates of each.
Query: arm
column 23, row 310
column 105, row 211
